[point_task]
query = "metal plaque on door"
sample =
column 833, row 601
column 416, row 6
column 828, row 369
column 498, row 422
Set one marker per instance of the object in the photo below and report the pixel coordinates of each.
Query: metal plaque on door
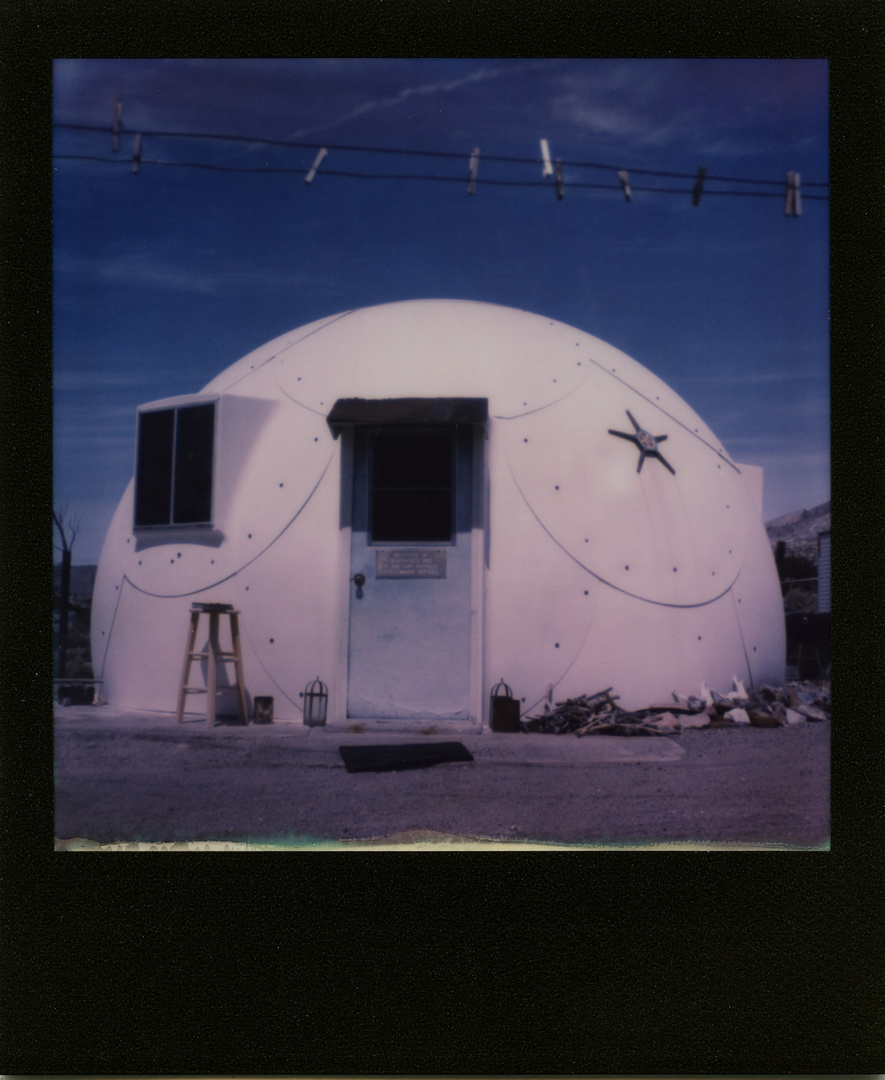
column 410, row 563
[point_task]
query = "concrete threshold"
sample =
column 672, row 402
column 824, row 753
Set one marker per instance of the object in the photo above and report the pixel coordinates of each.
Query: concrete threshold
column 487, row 747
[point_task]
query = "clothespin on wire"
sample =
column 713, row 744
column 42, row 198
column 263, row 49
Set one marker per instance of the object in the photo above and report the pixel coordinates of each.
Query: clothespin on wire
column 547, row 166
column 474, row 168
column 136, row 154
column 698, row 186
column 793, row 206
column 560, row 184
column 117, row 124
column 624, row 177
column 316, row 164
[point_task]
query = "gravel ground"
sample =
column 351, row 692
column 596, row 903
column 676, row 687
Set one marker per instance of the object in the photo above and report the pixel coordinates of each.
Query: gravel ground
column 142, row 777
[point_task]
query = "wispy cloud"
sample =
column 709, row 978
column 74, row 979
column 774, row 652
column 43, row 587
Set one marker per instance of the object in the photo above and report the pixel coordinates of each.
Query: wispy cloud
column 146, row 271
column 425, row 90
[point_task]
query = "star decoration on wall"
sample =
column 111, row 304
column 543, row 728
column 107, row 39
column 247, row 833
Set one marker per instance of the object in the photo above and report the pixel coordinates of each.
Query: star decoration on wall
column 648, row 444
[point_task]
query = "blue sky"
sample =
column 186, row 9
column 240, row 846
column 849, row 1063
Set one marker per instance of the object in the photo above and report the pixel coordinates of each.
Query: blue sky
column 164, row 278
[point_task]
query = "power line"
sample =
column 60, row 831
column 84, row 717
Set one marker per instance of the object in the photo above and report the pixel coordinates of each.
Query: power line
column 405, row 152
column 433, row 177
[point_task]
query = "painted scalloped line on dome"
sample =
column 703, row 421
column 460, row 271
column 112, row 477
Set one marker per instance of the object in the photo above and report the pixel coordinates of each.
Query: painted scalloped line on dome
column 290, row 345
column 571, row 664
column 233, row 573
column 692, row 431
column 295, row 401
column 604, row 581
column 556, row 401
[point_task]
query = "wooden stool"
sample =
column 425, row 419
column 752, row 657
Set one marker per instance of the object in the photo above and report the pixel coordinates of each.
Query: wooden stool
column 214, row 656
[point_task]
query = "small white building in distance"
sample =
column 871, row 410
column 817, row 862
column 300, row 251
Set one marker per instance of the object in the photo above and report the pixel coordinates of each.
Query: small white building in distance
column 417, row 500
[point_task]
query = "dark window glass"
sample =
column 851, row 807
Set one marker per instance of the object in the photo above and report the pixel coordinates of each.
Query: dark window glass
column 153, row 492
column 412, row 486
column 193, row 465
column 173, row 481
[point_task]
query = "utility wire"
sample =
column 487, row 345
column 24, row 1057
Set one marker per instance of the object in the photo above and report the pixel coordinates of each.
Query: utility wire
column 452, row 155
column 124, row 162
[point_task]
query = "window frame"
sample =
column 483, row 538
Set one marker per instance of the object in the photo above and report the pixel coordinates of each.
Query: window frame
column 176, row 406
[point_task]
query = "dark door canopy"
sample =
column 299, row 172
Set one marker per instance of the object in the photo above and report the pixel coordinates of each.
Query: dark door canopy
column 348, row 412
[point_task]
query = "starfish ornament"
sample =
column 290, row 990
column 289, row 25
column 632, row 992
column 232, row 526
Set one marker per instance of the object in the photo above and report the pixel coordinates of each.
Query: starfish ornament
column 648, row 444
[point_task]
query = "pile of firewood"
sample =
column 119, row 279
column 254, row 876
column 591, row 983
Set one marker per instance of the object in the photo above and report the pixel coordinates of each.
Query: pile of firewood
column 769, row 706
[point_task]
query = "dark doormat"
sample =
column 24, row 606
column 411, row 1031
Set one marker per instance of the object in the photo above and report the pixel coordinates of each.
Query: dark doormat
column 402, row 756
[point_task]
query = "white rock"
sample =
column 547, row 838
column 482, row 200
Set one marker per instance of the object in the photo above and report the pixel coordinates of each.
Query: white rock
column 666, row 720
column 706, row 694
column 794, row 717
column 697, row 720
column 738, row 716
column 739, row 687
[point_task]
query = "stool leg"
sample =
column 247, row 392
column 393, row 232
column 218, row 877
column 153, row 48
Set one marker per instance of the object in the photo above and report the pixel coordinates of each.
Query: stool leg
column 238, row 665
column 188, row 660
column 212, row 678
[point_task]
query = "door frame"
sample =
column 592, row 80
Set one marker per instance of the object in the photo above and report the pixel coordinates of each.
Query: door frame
column 338, row 691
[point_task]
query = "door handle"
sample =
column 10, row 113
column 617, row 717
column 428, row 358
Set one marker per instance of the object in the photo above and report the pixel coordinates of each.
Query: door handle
column 359, row 580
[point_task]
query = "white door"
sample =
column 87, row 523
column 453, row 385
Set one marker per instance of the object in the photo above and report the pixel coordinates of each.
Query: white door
column 410, row 568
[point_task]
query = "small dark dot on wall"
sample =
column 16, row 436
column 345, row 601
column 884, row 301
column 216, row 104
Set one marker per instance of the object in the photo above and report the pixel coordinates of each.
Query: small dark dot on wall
column 586, row 592
column 172, row 560
column 586, row 539
column 579, row 363
column 212, row 561
column 728, row 506
column 139, row 562
column 525, row 440
column 250, row 536
column 316, row 439
column 178, row 553
column 301, row 693
column 299, row 378
column 729, row 551
column 554, row 380
column 556, row 645
column 281, row 485
column 657, row 399
column 739, row 600
column 626, row 567
column 102, row 633
column 116, row 587
column 128, row 540
column 525, row 403
column 714, row 573
column 247, row 588
column 699, row 637
column 522, row 700
column 271, row 640
column 557, row 487
column 754, row 648
column 674, row 570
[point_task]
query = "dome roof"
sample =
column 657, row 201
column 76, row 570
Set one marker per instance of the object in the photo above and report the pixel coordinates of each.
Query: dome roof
column 555, row 396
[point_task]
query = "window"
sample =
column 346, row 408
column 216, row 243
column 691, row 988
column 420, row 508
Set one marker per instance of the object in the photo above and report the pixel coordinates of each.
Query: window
column 173, row 477
column 412, row 486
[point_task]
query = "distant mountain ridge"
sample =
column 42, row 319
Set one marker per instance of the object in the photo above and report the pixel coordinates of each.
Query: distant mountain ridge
column 799, row 530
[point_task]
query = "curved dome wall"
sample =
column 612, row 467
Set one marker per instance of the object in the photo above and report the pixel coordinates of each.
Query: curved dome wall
column 585, row 573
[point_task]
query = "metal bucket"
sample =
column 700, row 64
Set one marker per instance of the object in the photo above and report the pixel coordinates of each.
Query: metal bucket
column 503, row 709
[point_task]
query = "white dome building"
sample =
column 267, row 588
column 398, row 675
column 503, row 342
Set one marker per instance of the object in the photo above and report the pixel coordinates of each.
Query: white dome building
column 415, row 500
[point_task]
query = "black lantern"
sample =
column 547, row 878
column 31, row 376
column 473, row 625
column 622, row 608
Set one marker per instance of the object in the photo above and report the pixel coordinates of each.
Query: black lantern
column 503, row 709
column 316, row 700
